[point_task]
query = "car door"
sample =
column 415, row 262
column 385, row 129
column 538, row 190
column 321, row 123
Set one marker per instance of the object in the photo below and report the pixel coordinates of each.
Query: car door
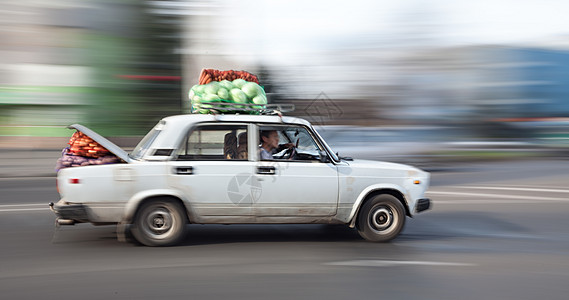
column 209, row 170
column 301, row 186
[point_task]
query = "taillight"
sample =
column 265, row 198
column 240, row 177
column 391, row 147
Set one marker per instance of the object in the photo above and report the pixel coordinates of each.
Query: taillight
column 74, row 180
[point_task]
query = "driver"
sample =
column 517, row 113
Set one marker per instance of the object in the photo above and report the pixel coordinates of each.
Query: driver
column 270, row 144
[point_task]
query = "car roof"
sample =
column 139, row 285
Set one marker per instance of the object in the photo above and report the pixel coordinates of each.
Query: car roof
column 173, row 125
column 198, row 118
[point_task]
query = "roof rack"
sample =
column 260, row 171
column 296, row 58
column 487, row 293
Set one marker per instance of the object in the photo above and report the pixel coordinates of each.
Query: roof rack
column 280, row 107
column 244, row 108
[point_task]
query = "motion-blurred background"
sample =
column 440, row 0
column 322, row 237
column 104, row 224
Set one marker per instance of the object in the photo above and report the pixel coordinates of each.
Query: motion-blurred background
column 375, row 75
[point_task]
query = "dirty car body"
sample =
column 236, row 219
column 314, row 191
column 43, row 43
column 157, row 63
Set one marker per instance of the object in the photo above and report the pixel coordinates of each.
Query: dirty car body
column 206, row 169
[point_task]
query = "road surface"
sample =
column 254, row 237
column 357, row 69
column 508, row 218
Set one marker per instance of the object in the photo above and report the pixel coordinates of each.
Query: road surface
column 497, row 231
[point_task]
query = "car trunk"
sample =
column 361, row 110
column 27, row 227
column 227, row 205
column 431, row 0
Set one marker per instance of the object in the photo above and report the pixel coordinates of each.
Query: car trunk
column 88, row 148
column 112, row 147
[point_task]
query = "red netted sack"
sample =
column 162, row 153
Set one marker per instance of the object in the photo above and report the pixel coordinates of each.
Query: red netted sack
column 82, row 145
column 209, row 75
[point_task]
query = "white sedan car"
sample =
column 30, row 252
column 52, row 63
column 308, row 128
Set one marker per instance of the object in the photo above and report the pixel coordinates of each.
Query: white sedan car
column 207, row 169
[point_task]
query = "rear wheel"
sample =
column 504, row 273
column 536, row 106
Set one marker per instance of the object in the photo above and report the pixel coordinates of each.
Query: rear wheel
column 381, row 218
column 159, row 223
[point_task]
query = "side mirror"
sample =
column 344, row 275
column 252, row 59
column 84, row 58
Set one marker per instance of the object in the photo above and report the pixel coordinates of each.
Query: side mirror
column 347, row 158
column 323, row 156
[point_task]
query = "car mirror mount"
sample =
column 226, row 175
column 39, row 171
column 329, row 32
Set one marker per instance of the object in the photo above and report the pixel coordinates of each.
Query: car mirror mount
column 323, row 156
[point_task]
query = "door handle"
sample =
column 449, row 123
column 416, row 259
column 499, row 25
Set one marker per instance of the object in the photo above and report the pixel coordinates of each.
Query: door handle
column 185, row 170
column 269, row 170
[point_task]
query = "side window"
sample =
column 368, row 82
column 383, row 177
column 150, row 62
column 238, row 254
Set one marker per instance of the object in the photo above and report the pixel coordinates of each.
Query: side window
column 302, row 140
column 293, row 143
column 215, row 142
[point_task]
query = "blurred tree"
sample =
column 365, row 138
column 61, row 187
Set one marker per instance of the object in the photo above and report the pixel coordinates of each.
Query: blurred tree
column 137, row 63
column 160, row 92
column 272, row 87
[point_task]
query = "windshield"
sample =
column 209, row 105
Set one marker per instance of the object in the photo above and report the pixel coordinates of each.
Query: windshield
column 330, row 151
column 145, row 143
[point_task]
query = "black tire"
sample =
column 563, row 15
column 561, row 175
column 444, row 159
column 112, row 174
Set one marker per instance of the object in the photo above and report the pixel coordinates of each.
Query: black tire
column 381, row 218
column 159, row 223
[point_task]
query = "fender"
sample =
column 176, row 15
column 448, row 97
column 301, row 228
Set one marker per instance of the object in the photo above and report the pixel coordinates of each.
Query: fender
column 134, row 201
column 371, row 189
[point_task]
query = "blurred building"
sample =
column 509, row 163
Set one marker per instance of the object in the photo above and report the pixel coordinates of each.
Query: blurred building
column 110, row 65
column 103, row 63
column 535, row 84
column 43, row 75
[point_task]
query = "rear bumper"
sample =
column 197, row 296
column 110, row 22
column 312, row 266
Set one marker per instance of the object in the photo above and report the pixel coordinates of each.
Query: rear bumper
column 72, row 212
column 422, row 205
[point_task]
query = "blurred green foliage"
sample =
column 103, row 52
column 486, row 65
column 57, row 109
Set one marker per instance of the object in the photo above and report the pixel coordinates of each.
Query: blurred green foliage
column 125, row 49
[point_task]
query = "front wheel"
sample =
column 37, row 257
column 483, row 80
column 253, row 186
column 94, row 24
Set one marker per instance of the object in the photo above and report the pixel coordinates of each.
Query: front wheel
column 159, row 223
column 381, row 218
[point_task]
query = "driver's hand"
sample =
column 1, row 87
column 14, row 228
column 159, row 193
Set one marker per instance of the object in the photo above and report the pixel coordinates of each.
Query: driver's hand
column 284, row 146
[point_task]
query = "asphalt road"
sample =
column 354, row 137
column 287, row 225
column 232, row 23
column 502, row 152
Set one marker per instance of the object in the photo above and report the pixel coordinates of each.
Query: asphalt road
column 496, row 231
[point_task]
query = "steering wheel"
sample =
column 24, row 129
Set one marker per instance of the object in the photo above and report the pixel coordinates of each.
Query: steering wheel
column 287, row 154
column 290, row 153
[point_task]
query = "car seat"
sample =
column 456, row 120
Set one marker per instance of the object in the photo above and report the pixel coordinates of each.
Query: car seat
column 242, row 147
column 230, row 145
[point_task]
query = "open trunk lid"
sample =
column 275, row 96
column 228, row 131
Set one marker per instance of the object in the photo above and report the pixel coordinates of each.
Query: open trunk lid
column 112, row 147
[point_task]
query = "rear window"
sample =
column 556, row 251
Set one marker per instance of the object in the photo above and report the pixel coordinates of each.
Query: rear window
column 144, row 144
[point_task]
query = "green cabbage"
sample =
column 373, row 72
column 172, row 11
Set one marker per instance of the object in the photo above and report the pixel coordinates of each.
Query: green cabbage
column 239, row 83
column 260, row 99
column 238, row 96
column 198, row 88
column 226, row 84
column 251, row 89
column 210, row 97
column 196, row 99
column 212, row 87
column 223, row 93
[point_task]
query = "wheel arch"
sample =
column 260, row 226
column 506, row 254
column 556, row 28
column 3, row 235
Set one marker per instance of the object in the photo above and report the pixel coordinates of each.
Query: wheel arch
column 140, row 198
column 372, row 192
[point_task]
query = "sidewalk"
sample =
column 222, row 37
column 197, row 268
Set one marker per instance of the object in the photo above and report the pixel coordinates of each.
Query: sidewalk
column 28, row 162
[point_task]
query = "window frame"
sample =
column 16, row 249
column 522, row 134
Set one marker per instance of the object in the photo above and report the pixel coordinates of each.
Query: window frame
column 313, row 135
column 211, row 126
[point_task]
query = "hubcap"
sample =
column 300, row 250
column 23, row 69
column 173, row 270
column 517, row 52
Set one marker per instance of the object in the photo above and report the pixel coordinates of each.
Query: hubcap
column 159, row 221
column 381, row 218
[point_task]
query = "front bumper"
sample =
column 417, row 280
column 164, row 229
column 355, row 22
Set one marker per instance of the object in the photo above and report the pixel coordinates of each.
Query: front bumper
column 422, row 205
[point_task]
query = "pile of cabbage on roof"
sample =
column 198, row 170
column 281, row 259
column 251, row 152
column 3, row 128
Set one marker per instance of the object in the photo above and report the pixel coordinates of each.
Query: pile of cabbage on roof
column 227, row 92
